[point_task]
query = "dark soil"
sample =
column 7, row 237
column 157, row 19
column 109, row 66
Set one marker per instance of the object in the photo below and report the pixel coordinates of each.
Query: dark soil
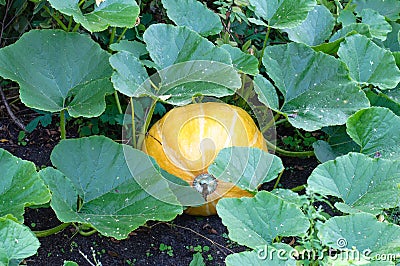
column 143, row 245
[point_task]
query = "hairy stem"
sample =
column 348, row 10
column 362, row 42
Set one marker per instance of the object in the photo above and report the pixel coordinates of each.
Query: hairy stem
column 59, row 22
column 289, row 153
column 264, row 46
column 62, row 125
column 278, row 179
column 117, row 102
column 298, row 188
column 51, row 231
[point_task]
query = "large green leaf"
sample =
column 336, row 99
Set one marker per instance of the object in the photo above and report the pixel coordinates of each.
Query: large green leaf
column 108, row 186
column 169, row 45
column 266, row 92
column 283, row 14
column 368, row 63
column 134, row 47
column 361, row 231
column 116, row 13
column 377, row 131
column 17, row 242
column 363, row 183
column 316, row 87
column 20, row 186
column 194, row 15
column 179, row 83
column 58, row 70
column 346, row 17
column 387, row 8
column 255, row 222
column 315, row 29
column 245, row 167
column 245, row 63
column 379, row 27
column 129, row 73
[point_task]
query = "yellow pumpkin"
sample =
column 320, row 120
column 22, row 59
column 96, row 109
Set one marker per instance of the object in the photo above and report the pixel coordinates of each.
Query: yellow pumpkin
column 187, row 139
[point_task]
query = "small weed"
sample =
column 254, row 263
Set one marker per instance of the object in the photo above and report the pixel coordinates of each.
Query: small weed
column 167, row 249
column 201, row 249
column 130, row 261
column 21, row 138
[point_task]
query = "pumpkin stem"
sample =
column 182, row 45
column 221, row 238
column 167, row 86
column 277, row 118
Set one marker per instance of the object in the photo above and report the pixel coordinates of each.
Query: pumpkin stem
column 205, row 184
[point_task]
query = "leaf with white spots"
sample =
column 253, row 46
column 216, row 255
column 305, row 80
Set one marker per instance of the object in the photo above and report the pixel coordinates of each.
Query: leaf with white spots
column 112, row 187
column 17, row 242
column 379, row 27
column 129, row 73
column 252, row 224
column 315, row 29
column 193, row 14
column 20, row 186
column 362, row 183
column 387, row 8
column 245, row 63
column 179, row 83
column 369, row 63
column 115, row 13
column 58, row 71
column 377, row 131
column 362, row 232
column 189, row 65
column 283, row 14
column 316, row 87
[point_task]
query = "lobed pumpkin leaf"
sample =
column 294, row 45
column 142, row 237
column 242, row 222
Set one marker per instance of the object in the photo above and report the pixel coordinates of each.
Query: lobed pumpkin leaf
column 179, row 83
column 134, row 47
column 266, row 92
column 368, row 63
column 20, row 186
column 190, row 67
column 183, row 13
column 129, row 73
column 44, row 63
column 169, row 45
column 315, row 29
column 242, row 62
column 359, row 181
column 115, row 13
column 346, row 17
column 377, row 131
column 245, row 167
column 361, row 231
column 316, row 87
column 111, row 187
column 387, row 8
column 378, row 26
column 250, row 223
column 17, row 242
column 282, row 14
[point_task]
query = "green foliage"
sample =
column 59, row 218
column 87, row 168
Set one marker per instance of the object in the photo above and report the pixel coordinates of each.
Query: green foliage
column 326, row 65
